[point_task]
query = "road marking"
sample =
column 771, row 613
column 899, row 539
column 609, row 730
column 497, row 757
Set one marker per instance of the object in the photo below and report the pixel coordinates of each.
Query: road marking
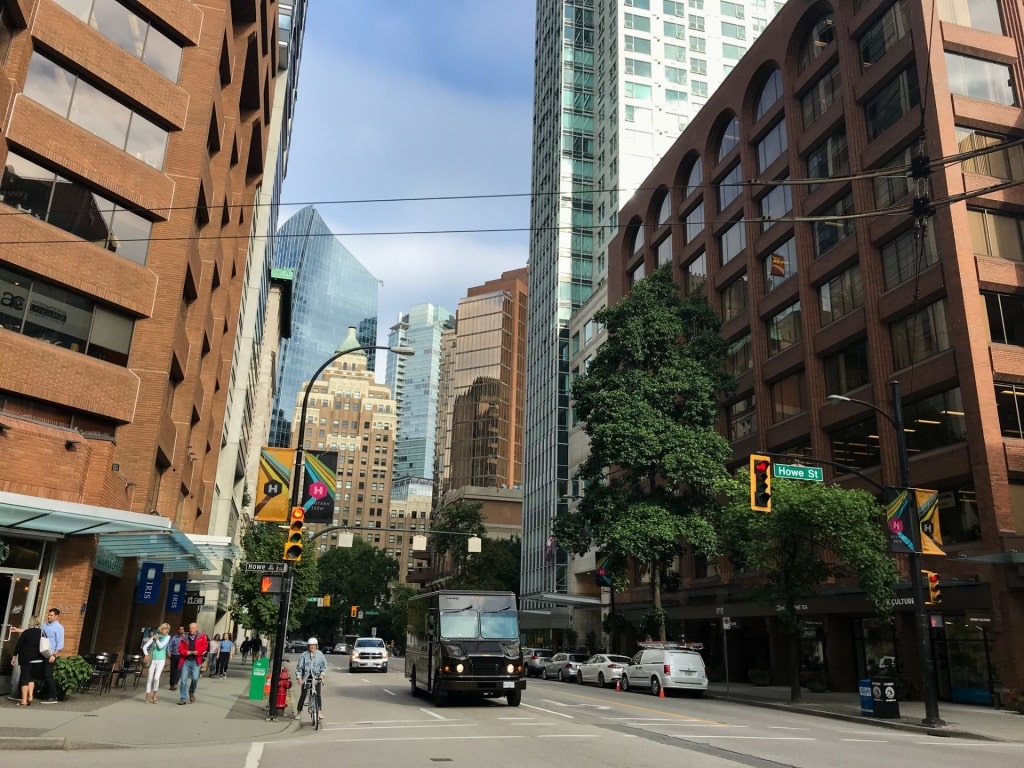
column 537, row 724
column 388, row 691
column 947, row 742
column 860, row 733
column 391, row 722
column 787, row 728
column 867, row 741
column 252, row 760
column 426, row 738
column 568, row 736
column 712, row 725
column 637, row 708
column 749, row 738
column 432, row 713
column 644, row 719
column 516, row 718
column 549, row 711
column 388, row 727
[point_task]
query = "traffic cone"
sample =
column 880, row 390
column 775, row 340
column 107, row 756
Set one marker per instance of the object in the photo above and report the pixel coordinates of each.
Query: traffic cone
column 618, row 684
column 266, row 687
column 661, row 693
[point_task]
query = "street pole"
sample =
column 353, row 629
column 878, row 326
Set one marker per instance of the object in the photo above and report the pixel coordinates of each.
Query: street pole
column 350, row 344
column 921, row 627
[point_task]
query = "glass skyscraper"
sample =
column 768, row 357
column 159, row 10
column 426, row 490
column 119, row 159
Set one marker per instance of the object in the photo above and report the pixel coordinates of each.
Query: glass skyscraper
column 615, row 83
column 331, row 291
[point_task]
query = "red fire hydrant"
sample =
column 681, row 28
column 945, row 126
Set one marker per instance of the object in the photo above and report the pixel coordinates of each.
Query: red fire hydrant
column 284, row 682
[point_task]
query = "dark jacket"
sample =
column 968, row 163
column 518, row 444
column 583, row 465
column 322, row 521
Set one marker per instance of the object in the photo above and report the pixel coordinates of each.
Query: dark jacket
column 27, row 647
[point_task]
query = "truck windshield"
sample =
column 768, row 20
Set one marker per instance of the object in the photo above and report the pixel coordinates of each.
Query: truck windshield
column 471, row 625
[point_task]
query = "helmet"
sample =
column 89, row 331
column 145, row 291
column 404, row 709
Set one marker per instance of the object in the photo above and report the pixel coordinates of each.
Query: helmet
column 312, row 641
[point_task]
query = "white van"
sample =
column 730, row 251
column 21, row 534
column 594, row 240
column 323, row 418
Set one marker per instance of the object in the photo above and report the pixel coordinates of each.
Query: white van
column 671, row 669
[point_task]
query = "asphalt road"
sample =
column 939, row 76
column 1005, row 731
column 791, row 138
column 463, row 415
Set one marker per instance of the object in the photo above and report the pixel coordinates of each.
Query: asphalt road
column 372, row 720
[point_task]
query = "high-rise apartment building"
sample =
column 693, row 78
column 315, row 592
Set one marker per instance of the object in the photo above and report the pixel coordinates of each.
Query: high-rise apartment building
column 331, row 291
column 413, row 381
column 876, row 241
column 134, row 143
column 616, row 81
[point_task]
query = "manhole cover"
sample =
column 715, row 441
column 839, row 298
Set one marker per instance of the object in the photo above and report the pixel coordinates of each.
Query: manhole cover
column 440, row 759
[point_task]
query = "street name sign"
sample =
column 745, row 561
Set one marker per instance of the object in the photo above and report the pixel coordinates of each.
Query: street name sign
column 270, row 569
column 797, row 472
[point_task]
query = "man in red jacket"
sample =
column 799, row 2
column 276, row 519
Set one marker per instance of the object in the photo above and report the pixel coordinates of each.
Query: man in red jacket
column 192, row 651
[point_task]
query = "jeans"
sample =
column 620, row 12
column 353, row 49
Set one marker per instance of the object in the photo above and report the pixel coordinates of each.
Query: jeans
column 302, row 696
column 222, row 663
column 175, row 660
column 189, row 678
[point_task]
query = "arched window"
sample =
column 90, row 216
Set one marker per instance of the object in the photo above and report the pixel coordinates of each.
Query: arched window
column 637, row 238
column 818, row 38
column 730, row 138
column 665, row 212
column 695, row 177
column 770, row 93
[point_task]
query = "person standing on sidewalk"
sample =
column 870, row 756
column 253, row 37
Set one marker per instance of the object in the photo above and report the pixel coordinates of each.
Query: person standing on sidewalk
column 155, row 649
column 175, row 657
column 54, row 632
column 226, row 646
column 30, row 661
column 192, row 649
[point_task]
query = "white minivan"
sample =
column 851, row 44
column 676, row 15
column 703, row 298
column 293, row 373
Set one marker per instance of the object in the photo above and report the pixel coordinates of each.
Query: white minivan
column 671, row 669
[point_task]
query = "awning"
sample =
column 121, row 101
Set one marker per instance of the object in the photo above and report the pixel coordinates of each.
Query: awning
column 172, row 548
column 560, row 599
column 67, row 518
column 1000, row 558
column 215, row 547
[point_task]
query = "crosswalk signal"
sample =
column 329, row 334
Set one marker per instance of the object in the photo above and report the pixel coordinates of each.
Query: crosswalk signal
column 354, row 611
column 760, row 483
column 293, row 545
column 934, row 587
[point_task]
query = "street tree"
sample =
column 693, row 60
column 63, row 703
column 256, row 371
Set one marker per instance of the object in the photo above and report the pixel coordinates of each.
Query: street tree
column 815, row 534
column 359, row 575
column 495, row 567
column 264, row 542
column 649, row 404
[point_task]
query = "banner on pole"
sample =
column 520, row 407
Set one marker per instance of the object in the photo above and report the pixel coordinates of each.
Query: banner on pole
column 320, row 482
column 273, row 485
column 898, row 516
column 928, row 515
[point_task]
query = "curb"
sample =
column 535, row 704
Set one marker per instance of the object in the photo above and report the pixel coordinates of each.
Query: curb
column 51, row 743
column 894, row 725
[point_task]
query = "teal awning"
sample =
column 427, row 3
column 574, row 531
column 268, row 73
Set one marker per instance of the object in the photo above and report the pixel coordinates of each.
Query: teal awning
column 215, row 547
column 173, row 549
column 68, row 518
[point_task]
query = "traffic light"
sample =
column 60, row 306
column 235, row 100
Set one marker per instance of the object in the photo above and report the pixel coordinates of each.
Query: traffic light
column 354, row 611
column 265, row 584
column 760, row 483
column 327, row 601
column 934, row 583
column 293, row 545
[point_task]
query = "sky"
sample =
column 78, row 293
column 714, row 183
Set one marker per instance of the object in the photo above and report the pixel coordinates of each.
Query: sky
column 417, row 99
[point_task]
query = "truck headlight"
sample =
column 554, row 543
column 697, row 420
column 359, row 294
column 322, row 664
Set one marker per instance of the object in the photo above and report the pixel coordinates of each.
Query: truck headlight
column 459, row 668
column 511, row 668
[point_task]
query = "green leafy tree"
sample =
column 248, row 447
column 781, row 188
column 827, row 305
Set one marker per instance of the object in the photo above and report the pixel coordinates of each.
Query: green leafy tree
column 649, row 403
column 462, row 518
column 358, row 575
column 495, row 567
column 395, row 619
column 788, row 548
column 264, row 542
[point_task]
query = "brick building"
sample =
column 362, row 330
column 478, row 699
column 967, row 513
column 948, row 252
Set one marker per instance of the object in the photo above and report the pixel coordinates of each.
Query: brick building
column 790, row 202
column 134, row 143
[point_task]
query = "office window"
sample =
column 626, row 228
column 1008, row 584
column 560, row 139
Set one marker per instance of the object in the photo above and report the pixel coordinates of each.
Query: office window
column 674, row 100
column 1005, row 163
column 893, row 101
column 856, row 445
column 828, row 233
column 674, row 8
column 640, row 5
column 730, row 187
column 739, row 357
column 734, row 298
column 820, row 96
column 787, row 397
column 698, row 88
column 637, row 21
column 772, row 146
column 771, row 92
column 979, row 79
column 1005, row 317
column 847, row 369
column 638, row 68
column 893, row 187
column 663, row 249
column 780, row 264
column 784, row 329
column 729, row 139
column 696, row 273
column 829, row 159
column 935, row 421
column 742, row 419
column 637, row 44
column 1010, row 406
column 639, row 91
column 841, row 295
column 675, row 75
column 733, row 10
column 674, row 31
column 920, row 335
column 69, row 96
column 979, row 14
column 732, row 242
column 665, row 209
column 694, row 222
column 776, row 204
column 886, row 31
column 995, row 235
column 694, row 178
column 735, row 31
column 818, row 38
column 75, row 208
column 732, row 53
column 696, row 22
column 907, row 255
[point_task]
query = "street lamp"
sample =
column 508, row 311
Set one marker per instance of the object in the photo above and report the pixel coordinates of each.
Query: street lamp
column 931, row 701
column 350, row 344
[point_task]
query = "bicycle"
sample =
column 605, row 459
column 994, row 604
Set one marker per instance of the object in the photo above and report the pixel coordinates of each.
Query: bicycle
column 313, row 692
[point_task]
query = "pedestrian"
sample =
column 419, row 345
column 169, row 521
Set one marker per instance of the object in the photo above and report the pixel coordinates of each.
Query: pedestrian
column 263, row 648
column 175, row 657
column 30, row 660
column 312, row 663
column 211, row 660
column 155, row 650
column 244, row 648
column 226, row 646
column 192, row 650
column 54, row 632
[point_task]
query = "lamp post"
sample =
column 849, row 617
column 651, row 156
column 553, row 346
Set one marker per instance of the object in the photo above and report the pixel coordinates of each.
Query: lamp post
column 931, row 701
column 350, row 344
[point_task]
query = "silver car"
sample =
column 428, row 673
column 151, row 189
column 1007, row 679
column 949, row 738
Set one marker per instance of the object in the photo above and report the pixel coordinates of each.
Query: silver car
column 535, row 660
column 368, row 653
column 602, row 668
column 563, row 666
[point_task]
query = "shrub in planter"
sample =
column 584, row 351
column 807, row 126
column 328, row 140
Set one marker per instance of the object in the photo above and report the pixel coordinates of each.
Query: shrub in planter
column 70, row 673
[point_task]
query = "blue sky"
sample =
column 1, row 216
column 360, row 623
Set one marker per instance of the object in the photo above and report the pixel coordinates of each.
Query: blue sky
column 413, row 98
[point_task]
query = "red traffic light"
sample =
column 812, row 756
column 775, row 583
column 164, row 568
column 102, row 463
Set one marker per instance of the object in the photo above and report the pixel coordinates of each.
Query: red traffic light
column 265, row 584
column 298, row 513
column 933, row 578
column 761, row 466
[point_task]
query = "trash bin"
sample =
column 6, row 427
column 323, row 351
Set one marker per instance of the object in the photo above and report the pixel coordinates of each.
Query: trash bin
column 258, row 678
column 866, row 702
column 883, row 698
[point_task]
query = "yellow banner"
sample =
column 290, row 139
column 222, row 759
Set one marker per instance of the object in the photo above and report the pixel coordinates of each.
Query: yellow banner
column 274, row 484
column 928, row 517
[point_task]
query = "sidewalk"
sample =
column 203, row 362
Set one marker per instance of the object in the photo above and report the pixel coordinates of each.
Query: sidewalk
column 120, row 718
column 962, row 720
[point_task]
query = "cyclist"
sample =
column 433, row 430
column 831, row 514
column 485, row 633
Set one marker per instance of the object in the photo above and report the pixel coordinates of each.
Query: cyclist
column 312, row 664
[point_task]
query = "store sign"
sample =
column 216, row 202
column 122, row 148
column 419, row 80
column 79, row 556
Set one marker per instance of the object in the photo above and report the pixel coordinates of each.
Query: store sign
column 109, row 564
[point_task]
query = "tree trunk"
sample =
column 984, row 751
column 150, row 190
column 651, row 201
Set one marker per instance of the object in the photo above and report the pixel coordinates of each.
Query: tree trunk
column 656, row 589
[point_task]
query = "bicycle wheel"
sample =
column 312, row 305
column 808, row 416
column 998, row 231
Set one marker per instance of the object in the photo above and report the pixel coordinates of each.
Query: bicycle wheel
column 314, row 709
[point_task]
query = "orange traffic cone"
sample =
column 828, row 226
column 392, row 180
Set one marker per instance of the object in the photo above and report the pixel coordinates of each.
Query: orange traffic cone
column 618, row 684
column 661, row 693
column 266, row 687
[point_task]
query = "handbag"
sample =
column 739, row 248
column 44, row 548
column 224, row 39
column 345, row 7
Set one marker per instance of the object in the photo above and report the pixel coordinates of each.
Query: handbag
column 44, row 646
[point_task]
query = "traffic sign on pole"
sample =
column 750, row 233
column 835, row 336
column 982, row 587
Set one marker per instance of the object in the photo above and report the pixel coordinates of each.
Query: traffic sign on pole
column 271, row 569
column 798, row 472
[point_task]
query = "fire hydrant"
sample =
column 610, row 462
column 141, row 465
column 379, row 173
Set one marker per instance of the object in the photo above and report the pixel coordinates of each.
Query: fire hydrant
column 284, row 683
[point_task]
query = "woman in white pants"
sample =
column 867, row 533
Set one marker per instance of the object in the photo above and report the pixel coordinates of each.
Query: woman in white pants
column 155, row 649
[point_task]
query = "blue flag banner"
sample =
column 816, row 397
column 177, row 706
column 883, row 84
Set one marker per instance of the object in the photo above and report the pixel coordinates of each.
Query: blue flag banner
column 175, row 595
column 147, row 588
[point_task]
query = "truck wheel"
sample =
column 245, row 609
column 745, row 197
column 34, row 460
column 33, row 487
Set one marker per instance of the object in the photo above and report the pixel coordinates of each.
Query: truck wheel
column 413, row 688
column 515, row 698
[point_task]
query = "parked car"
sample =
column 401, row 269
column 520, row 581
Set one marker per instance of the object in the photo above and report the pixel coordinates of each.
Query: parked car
column 295, row 646
column 667, row 669
column 368, row 653
column 602, row 668
column 341, row 648
column 563, row 666
column 536, row 660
